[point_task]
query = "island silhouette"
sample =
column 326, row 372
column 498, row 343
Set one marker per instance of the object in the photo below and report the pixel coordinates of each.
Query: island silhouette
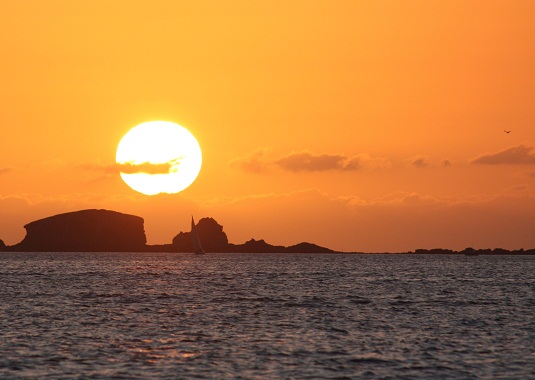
column 98, row 230
column 111, row 231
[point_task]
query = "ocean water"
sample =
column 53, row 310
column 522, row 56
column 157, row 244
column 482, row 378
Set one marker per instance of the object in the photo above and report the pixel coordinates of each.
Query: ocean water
column 261, row 316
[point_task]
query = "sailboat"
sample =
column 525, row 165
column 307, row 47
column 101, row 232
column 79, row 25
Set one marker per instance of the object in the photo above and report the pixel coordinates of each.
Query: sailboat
column 196, row 242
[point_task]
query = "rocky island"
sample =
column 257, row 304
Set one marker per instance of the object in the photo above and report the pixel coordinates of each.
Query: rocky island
column 86, row 230
column 111, row 231
column 214, row 239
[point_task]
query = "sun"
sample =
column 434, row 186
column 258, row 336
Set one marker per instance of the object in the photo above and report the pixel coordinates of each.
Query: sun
column 159, row 157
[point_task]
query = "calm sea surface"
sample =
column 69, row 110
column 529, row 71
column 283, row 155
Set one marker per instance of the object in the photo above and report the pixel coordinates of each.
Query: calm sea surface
column 147, row 315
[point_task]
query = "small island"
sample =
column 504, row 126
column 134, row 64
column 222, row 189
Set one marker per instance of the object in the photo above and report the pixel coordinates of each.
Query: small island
column 86, row 230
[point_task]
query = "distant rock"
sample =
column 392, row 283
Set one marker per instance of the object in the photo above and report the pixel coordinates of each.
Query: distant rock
column 260, row 246
column 308, row 248
column 210, row 233
column 434, row 251
column 257, row 246
column 2, row 245
column 213, row 239
column 85, row 231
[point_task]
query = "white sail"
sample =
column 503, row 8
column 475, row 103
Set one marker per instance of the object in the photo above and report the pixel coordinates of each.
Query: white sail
column 197, row 248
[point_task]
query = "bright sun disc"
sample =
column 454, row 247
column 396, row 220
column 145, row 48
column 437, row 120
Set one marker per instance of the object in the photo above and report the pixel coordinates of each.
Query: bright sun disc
column 159, row 157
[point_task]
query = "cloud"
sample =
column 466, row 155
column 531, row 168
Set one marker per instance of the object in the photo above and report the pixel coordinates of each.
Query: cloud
column 130, row 168
column 147, row 168
column 5, row 169
column 518, row 155
column 308, row 162
column 305, row 161
column 420, row 162
column 254, row 163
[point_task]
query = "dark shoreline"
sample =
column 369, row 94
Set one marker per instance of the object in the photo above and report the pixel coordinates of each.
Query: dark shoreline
column 419, row 252
column 110, row 231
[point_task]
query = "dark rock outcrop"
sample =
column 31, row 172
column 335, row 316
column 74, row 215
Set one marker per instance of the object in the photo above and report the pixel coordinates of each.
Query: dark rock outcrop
column 256, row 246
column 213, row 239
column 260, row 246
column 308, row 248
column 210, row 233
column 2, row 246
column 85, row 231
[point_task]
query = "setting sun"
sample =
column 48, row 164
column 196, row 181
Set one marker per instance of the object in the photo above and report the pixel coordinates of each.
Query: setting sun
column 159, row 157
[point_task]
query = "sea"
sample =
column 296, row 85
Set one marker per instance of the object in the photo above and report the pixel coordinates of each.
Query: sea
column 266, row 316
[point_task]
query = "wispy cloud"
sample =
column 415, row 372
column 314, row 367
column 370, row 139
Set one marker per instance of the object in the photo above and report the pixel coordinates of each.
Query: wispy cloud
column 254, row 163
column 146, row 167
column 423, row 161
column 420, row 162
column 518, row 155
column 305, row 161
column 308, row 162
column 131, row 168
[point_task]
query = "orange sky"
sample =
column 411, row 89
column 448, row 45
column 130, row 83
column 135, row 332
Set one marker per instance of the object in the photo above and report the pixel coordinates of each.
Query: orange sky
column 357, row 125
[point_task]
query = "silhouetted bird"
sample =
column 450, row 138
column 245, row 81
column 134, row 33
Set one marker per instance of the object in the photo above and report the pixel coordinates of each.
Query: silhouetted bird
column 506, row 131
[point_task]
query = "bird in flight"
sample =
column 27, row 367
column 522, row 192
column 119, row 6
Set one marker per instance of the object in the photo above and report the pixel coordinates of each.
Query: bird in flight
column 507, row 131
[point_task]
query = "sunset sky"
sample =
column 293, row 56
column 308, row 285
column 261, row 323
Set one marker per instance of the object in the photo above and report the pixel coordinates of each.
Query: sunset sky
column 357, row 125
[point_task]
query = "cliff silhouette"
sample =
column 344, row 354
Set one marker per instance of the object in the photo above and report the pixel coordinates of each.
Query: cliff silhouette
column 86, row 230
column 210, row 234
column 110, row 231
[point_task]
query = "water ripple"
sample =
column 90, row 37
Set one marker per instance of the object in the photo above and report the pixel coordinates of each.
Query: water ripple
column 150, row 315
